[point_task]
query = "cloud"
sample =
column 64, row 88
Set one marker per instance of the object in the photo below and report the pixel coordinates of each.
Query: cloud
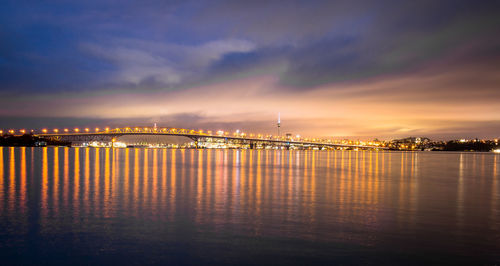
column 154, row 64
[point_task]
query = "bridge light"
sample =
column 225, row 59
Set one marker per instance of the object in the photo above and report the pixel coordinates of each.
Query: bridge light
column 86, row 130
column 107, row 129
column 44, row 130
column 11, row 131
column 66, row 130
column 96, row 129
column 77, row 129
column 1, row 131
column 56, row 130
column 22, row 131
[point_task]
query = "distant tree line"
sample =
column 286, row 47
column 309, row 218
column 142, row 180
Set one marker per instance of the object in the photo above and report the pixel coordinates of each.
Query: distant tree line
column 470, row 146
column 29, row 141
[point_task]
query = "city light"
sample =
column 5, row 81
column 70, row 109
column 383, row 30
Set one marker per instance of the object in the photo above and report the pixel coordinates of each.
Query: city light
column 119, row 145
column 66, row 130
column 44, row 130
column 77, row 130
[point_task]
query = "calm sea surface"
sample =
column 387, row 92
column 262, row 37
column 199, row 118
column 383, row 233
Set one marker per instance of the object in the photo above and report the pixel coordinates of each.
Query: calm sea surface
column 159, row 206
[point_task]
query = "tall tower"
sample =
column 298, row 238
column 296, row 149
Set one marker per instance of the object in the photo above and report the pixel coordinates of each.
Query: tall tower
column 279, row 124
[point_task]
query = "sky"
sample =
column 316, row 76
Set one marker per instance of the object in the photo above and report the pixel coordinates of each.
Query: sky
column 356, row 69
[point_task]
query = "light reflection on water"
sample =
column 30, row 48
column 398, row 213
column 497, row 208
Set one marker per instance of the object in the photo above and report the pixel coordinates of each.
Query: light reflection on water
column 91, row 205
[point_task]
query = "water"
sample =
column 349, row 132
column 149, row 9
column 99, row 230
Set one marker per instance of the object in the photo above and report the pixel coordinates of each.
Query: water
column 157, row 206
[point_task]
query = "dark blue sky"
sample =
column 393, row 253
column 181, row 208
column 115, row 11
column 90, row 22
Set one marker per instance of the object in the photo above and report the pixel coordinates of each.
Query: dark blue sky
column 355, row 68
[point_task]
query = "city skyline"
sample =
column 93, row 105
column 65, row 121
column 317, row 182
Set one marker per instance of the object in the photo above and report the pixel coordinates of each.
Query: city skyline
column 338, row 69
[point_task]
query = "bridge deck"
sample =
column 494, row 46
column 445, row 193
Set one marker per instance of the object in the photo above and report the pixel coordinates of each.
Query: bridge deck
column 197, row 135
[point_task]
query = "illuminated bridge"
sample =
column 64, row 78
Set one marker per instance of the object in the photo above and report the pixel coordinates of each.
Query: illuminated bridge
column 249, row 140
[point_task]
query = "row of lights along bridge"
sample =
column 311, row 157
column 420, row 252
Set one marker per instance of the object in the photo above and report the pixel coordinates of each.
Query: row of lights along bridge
column 188, row 133
column 154, row 129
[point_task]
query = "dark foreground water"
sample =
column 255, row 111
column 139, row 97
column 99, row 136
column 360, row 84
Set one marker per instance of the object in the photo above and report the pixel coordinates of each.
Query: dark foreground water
column 156, row 206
